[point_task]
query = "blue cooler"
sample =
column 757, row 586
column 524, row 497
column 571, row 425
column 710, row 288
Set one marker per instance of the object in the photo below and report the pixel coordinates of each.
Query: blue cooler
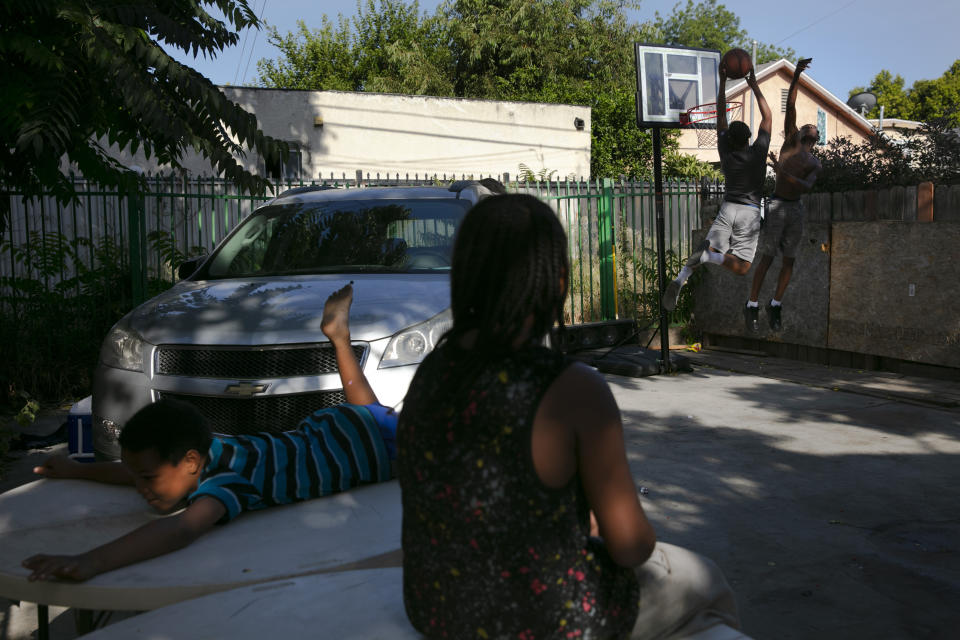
column 80, row 431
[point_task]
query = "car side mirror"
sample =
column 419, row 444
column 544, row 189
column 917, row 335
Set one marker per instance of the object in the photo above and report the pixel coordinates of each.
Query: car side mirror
column 188, row 268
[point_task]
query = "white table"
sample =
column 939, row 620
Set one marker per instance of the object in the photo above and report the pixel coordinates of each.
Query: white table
column 346, row 605
column 350, row 605
column 330, row 566
column 356, row 529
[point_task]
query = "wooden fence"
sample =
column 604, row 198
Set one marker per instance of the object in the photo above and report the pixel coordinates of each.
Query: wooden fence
column 893, row 203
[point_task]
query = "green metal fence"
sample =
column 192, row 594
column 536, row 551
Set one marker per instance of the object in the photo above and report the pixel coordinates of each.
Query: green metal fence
column 132, row 244
column 611, row 230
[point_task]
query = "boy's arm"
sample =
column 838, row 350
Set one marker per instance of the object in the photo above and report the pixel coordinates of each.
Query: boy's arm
column 106, row 472
column 766, row 116
column 722, row 100
column 153, row 539
column 790, row 119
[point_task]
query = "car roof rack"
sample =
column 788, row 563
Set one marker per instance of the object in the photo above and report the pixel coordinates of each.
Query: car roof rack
column 459, row 185
column 491, row 186
column 306, row 189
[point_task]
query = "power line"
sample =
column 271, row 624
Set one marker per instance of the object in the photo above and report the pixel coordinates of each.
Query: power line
column 252, row 46
column 240, row 57
column 815, row 22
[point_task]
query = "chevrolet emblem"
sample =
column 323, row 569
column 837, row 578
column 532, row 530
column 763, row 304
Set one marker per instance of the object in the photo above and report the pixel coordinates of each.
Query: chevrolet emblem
column 245, row 389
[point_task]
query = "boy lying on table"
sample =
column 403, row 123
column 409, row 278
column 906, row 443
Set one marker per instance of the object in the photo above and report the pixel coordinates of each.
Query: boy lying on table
column 169, row 454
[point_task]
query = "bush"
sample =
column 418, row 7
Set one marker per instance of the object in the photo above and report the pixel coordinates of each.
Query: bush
column 53, row 320
column 6, row 435
column 643, row 303
column 932, row 153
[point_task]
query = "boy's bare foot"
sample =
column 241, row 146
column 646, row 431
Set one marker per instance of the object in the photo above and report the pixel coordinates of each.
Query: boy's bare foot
column 336, row 315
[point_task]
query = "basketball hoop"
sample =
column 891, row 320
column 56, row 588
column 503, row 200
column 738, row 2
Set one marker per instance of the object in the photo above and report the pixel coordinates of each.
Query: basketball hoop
column 703, row 119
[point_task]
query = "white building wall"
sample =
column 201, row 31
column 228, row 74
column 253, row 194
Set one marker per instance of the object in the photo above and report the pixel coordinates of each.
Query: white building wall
column 411, row 134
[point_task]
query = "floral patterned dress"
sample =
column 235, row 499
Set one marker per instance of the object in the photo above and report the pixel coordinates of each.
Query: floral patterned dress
column 489, row 551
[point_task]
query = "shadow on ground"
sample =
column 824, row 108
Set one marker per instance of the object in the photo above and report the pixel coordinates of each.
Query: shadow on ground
column 833, row 515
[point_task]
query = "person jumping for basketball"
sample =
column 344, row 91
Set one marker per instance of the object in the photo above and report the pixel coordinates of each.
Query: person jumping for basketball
column 732, row 239
column 797, row 169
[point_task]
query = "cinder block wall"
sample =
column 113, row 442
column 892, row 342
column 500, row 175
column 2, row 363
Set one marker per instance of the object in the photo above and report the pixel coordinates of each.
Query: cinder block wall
column 869, row 279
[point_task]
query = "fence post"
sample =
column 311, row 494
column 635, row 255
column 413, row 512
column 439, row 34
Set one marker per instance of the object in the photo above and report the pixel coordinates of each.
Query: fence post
column 137, row 241
column 608, row 259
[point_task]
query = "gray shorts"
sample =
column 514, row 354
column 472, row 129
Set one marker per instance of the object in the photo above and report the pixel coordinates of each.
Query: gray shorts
column 735, row 230
column 782, row 228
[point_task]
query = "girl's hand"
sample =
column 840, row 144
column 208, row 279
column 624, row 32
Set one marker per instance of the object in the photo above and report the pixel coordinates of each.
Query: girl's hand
column 594, row 526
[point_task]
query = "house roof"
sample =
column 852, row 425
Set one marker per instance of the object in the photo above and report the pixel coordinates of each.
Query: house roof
column 769, row 69
column 895, row 123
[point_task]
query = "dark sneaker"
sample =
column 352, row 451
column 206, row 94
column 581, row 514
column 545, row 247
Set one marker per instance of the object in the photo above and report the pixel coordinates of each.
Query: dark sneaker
column 752, row 316
column 697, row 256
column 670, row 296
column 773, row 314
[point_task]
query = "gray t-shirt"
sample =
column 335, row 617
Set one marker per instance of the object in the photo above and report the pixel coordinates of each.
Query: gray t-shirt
column 744, row 169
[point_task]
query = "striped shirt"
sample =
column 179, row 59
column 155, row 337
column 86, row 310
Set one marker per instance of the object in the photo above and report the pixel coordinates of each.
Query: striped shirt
column 332, row 450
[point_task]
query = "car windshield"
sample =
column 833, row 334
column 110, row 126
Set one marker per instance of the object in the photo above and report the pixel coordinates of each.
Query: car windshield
column 341, row 237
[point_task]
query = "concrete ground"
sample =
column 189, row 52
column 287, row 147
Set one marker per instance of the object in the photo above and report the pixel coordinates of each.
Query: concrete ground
column 827, row 495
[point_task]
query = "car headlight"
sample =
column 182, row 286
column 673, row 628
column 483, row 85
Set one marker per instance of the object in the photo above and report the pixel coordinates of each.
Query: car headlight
column 123, row 348
column 412, row 345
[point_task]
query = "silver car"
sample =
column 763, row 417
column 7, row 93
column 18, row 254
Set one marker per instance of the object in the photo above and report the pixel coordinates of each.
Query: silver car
column 240, row 338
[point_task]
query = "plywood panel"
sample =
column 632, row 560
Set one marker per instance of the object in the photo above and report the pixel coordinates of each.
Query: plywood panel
column 721, row 296
column 873, row 266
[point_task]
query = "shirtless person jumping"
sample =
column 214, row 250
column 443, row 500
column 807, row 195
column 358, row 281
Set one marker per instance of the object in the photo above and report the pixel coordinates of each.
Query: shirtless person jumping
column 797, row 170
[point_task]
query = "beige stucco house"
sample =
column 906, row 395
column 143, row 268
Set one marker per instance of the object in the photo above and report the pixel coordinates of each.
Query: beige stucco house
column 338, row 133
column 896, row 128
column 815, row 105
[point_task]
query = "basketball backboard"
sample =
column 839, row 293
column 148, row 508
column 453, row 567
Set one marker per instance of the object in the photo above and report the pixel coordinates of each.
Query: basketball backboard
column 671, row 80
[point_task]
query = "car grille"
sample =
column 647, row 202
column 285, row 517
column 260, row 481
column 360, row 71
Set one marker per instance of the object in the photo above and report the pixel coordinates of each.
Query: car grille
column 252, row 362
column 238, row 416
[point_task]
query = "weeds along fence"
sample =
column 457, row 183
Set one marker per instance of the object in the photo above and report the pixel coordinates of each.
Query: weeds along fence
column 68, row 272
column 611, row 231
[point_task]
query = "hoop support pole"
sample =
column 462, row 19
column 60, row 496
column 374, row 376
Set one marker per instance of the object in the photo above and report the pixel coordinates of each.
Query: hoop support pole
column 661, row 247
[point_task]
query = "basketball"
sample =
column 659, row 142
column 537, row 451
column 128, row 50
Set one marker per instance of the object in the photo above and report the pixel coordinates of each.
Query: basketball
column 737, row 63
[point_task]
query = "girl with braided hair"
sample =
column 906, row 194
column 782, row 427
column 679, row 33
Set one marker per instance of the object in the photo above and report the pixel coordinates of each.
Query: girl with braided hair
column 512, row 464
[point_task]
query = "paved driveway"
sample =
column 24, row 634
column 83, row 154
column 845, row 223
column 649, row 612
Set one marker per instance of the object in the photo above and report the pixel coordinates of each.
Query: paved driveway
column 834, row 514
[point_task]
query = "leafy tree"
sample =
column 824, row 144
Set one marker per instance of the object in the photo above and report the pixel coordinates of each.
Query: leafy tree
column 890, row 94
column 931, row 153
column 926, row 100
column 77, row 75
column 935, row 150
column 940, row 98
column 709, row 25
column 386, row 47
column 514, row 49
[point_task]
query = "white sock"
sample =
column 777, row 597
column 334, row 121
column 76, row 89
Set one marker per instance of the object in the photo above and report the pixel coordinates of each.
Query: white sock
column 753, row 304
column 684, row 274
column 714, row 257
column 775, row 303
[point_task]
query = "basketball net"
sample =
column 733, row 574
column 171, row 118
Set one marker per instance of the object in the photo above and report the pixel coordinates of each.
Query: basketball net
column 703, row 119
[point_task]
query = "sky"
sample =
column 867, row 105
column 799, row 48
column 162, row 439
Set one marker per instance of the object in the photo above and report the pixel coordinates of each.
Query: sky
column 850, row 41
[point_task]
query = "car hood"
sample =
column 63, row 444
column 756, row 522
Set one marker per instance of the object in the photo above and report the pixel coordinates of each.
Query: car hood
column 288, row 310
